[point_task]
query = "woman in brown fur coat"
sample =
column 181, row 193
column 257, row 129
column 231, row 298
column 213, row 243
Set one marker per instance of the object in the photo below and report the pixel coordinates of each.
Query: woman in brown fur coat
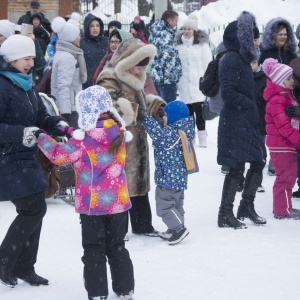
column 125, row 79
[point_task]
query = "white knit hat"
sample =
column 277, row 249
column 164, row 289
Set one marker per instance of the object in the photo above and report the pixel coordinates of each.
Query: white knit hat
column 7, row 28
column 91, row 103
column 17, row 46
column 66, row 31
column 191, row 21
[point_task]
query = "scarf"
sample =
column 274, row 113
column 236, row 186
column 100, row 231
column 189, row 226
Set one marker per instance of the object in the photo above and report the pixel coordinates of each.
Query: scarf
column 24, row 81
column 77, row 53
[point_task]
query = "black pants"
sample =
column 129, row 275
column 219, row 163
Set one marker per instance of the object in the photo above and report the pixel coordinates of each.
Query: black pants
column 140, row 214
column 103, row 237
column 238, row 171
column 196, row 111
column 18, row 251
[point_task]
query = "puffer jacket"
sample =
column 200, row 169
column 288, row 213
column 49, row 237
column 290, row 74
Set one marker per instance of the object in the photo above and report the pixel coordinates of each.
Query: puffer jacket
column 100, row 180
column 281, row 134
column 166, row 67
column 170, row 169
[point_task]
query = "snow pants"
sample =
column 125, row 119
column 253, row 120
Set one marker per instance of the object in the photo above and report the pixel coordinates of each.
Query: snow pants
column 169, row 206
column 286, row 169
column 18, row 251
column 103, row 238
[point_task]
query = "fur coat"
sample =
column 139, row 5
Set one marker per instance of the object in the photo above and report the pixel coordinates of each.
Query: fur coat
column 127, row 93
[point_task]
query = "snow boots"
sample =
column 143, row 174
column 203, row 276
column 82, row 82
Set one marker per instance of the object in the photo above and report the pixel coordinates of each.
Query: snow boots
column 226, row 217
column 246, row 208
column 202, row 136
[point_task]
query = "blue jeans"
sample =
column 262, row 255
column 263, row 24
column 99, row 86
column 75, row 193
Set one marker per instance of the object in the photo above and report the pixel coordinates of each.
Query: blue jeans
column 167, row 91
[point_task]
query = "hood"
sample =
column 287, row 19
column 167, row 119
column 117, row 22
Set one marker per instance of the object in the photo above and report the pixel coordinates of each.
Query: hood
column 160, row 25
column 128, row 55
column 122, row 34
column 268, row 36
column 87, row 21
column 238, row 36
column 273, row 89
column 201, row 37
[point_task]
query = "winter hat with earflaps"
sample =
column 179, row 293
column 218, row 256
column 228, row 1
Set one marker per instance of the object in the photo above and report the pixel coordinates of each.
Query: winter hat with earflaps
column 276, row 72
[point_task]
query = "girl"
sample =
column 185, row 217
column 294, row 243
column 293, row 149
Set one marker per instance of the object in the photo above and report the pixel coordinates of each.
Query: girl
column 98, row 153
column 283, row 136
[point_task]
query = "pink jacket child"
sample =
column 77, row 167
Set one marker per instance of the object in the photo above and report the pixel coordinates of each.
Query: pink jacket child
column 98, row 153
column 283, row 136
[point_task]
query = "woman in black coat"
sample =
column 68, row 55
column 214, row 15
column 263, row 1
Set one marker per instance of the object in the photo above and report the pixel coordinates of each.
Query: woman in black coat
column 239, row 139
column 22, row 180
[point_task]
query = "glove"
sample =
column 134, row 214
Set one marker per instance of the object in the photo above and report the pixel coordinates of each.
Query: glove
column 293, row 111
column 29, row 138
column 65, row 130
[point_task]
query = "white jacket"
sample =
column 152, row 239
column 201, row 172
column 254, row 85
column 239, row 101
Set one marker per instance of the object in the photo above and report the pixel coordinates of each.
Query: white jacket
column 194, row 60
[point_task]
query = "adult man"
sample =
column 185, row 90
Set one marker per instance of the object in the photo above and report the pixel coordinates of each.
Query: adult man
column 35, row 8
column 166, row 68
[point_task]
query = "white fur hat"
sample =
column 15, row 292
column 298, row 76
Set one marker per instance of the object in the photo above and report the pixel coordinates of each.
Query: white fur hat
column 191, row 21
column 66, row 31
column 7, row 28
column 17, row 46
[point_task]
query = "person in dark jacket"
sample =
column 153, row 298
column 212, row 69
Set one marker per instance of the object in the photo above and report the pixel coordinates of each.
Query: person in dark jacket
column 22, row 180
column 146, row 30
column 112, row 25
column 239, row 139
column 94, row 46
column 35, row 8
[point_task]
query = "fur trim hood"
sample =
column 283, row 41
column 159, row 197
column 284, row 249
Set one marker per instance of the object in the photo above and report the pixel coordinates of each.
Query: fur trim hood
column 269, row 35
column 128, row 55
column 238, row 36
column 200, row 38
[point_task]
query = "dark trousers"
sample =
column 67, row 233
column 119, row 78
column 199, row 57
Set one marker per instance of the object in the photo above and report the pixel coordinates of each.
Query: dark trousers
column 103, row 238
column 18, row 251
column 238, row 171
column 196, row 111
column 140, row 214
column 167, row 91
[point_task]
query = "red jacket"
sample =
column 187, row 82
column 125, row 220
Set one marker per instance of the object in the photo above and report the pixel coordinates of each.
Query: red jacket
column 280, row 132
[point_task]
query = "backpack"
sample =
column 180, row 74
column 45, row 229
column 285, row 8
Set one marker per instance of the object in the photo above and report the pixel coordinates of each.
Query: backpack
column 209, row 84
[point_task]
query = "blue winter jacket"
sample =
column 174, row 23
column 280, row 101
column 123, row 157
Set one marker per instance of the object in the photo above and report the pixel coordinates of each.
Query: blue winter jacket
column 170, row 170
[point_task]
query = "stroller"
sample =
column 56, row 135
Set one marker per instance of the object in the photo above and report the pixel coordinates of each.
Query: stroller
column 61, row 179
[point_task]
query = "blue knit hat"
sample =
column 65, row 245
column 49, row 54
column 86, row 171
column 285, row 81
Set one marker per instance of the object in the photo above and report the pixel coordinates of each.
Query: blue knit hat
column 176, row 110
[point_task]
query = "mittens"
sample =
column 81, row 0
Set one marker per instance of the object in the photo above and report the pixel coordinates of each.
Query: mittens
column 29, row 138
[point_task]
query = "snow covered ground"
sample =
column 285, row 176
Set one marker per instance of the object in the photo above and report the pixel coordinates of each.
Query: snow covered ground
column 261, row 263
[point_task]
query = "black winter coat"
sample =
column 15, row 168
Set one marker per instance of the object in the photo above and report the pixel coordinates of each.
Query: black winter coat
column 94, row 48
column 239, row 139
column 20, row 172
column 284, row 57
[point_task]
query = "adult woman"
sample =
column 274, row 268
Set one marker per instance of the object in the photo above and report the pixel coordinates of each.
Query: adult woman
column 68, row 69
column 195, row 55
column 21, row 178
column 124, row 79
column 94, row 45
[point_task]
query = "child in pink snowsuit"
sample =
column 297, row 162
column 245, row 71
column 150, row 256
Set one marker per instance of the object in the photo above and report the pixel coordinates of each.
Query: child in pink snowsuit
column 98, row 153
column 283, row 136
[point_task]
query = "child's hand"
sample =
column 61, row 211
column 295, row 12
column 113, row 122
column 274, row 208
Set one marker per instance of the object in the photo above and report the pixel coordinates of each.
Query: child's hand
column 293, row 111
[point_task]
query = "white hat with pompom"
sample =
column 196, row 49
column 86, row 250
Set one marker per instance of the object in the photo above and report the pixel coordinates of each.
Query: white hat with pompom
column 66, row 31
column 191, row 21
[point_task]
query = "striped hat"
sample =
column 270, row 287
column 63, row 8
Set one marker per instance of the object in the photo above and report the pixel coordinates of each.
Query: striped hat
column 276, row 72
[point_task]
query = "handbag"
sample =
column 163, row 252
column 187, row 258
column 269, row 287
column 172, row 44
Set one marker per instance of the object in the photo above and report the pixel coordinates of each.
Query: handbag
column 188, row 153
column 206, row 113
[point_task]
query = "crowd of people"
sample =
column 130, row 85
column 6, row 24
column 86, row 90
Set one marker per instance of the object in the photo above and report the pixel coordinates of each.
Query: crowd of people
column 113, row 89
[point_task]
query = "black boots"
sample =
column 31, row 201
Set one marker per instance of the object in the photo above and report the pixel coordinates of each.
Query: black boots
column 6, row 278
column 33, row 279
column 246, row 208
column 226, row 217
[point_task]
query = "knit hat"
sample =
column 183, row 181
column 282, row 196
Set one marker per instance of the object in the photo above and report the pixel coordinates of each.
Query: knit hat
column 137, row 18
column 7, row 28
column 276, row 72
column 34, row 4
column 66, row 31
column 255, row 32
column 17, row 46
column 91, row 103
column 191, row 21
column 176, row 110
column 114, row 23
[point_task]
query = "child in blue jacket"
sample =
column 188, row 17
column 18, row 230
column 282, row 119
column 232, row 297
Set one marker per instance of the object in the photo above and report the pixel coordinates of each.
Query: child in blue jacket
column 170, row 170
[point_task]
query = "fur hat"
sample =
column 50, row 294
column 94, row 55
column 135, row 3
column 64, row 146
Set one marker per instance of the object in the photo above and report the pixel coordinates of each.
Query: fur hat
column 66, row 31
column 276, row 72
column 191, row 21
column 17, row 46
column 7, row 28
column 91, row 103
column 176, row 110
column 114, row 23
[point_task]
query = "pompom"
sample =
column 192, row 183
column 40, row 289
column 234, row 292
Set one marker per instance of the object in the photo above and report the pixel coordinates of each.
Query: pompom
column 58, row 24
column 75, row 16
column 193, row 17
column 128, row 136
column 78, row 134
column 268, row 65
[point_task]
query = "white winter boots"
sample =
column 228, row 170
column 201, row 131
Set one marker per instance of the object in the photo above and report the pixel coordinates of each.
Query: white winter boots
column 202, row 136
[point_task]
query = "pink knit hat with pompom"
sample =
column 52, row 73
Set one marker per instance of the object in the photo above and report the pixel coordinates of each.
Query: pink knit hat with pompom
column 276, row 72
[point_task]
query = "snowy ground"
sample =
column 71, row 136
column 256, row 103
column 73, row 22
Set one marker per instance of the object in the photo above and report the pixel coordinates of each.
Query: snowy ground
column 261, row 263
